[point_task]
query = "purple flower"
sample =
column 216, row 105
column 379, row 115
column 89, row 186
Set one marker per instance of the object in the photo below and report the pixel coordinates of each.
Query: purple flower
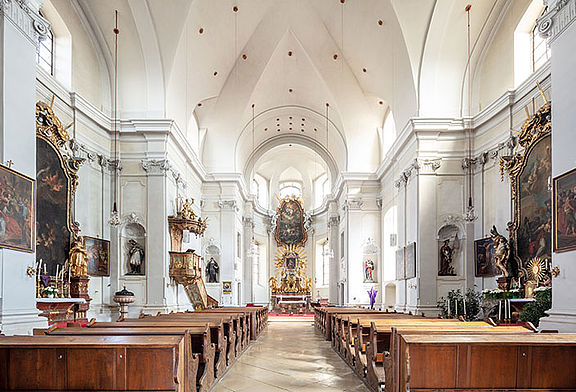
column 372, row 294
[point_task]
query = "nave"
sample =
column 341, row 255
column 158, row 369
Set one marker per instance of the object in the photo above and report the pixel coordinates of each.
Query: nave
column 290, row 356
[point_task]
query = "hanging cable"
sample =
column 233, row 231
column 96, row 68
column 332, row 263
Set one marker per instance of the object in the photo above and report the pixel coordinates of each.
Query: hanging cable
column 114, row 217
column 470, row 211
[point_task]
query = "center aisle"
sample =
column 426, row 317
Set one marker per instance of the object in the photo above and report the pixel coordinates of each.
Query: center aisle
column 290, row 356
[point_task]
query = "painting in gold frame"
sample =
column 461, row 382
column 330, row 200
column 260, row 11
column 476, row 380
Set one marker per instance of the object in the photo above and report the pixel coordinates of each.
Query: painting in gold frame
column 17, row 210
column 564, row 190
column 98, row 251
column 530, row 173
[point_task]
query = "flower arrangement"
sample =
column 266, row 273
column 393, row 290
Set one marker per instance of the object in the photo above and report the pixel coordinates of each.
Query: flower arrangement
column 50, row 291
column 501, row 294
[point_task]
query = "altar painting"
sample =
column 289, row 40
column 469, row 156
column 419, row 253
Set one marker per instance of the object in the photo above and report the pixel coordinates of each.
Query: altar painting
column 534, row 224
column 53, row 243
column 290, row 223
column 17, row 197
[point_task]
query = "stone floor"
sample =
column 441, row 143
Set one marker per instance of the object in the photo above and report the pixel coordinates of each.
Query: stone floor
column 290, row 356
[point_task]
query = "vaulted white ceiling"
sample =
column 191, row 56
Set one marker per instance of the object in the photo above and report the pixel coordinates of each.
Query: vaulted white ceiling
column 204, row 64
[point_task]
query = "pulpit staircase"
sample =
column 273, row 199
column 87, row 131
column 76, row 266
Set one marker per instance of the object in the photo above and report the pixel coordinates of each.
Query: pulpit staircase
column 186, row 269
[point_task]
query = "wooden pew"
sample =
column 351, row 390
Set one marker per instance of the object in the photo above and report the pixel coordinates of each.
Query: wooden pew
column 258, row 317
column 381, row 340
column 202, row 343
column 323, row 317
column 521, row 362
column 233, row 331
column 81, row 363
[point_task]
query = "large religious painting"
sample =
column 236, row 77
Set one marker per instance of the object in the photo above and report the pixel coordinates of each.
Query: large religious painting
column 17, row 197
column 56, row 181
column 98, row 251
column 534, row 228
column 290, row 233
column 530, row 176
column 290, row 223
column 565, row 212
column 484, row 252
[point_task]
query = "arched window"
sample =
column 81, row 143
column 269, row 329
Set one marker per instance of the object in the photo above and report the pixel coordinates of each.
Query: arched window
column 290, row 188
column 45, row 52
column 540, row 50
column 259, row 188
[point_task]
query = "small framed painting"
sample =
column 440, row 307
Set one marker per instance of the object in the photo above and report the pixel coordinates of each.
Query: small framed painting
column 484, row 252
column 564, row 197
column 17, row 210
column 400, row 265
column 410, row 260
column 226, row 287
column 98, row 251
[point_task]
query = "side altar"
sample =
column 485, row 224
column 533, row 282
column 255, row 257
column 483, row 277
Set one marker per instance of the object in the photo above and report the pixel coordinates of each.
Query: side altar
column 290, row 287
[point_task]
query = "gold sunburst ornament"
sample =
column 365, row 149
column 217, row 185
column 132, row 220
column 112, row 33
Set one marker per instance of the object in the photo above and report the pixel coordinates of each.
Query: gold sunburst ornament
column 537, row 269
column 291, row 277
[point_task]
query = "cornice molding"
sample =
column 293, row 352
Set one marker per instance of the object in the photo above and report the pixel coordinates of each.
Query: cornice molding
column 560, row 15
column 26, row 19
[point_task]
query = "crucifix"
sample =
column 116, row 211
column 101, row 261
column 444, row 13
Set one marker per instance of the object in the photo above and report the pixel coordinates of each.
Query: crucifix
column 10, row 163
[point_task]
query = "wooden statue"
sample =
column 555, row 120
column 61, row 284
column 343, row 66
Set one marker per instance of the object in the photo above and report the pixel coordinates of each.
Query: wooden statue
column 78, row 259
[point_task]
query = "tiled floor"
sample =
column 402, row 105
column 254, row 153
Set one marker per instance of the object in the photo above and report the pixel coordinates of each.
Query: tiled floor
column 290, row 356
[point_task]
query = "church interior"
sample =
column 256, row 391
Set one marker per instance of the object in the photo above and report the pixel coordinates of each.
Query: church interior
column 303, row 195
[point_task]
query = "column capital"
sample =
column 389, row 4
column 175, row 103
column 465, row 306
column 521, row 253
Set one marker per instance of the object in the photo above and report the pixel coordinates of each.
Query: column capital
column 229, row 205
column 23, row 15
column 353, row 204
column 155, row 166
column 333, row 221
column 560, row 15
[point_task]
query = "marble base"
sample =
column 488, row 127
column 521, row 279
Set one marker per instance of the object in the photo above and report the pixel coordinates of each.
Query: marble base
column 562, row 320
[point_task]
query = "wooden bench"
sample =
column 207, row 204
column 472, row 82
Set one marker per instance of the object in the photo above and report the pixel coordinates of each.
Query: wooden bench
column 112, row 363
column 381, row 339
column 258, row 316
column 521, row 362
column 232, row 328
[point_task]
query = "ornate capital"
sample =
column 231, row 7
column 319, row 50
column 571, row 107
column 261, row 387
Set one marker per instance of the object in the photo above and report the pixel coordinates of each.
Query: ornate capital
column 29, row 22
column 248, row 222
column 133, row 218
column 155, row 166
column 560, row 15
column 353, row 204
column 403, row 179
column 228, row 205
column 334, row 222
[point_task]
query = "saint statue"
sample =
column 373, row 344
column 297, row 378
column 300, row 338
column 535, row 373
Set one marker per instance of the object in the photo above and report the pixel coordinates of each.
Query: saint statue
column 501, row 253
column 135, row 258
column 368, row 271
column 212, row 270
column 446, row 252
column 78, row 259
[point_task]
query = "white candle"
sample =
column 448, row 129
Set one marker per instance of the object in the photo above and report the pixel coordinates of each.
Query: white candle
column 499, row 310
column 449, row 312
column 44, row 268
column 464, row 303
column 456, row 307
column 57, row 269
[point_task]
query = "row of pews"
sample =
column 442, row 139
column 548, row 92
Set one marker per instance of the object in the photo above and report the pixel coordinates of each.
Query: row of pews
column 183, row 352
column 396, row 352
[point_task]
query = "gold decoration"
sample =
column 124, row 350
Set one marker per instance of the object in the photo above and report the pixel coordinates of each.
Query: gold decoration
column 291, row 277
column 30, row 271
column 78, row 259
column 185, row 219
column 537, row 269
column 555, row 271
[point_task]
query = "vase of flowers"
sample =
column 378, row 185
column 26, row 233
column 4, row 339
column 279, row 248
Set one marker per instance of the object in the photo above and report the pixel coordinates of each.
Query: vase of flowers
column 50, row 292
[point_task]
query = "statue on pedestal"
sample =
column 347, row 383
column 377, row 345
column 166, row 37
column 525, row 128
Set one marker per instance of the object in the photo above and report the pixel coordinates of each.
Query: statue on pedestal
column 136, row 258
column 446, row 252
column 78, row 259
column 502, row 252
column 212, row 270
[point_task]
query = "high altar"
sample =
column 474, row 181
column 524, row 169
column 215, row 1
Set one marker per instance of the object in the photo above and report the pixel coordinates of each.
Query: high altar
column 291, row 287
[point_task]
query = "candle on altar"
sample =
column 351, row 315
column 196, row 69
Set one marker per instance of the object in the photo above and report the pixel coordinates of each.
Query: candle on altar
column 456, row 307
column 44, row 268
column 57, row 270
column 449, row 312
column 464, row 305
column 499, row 310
